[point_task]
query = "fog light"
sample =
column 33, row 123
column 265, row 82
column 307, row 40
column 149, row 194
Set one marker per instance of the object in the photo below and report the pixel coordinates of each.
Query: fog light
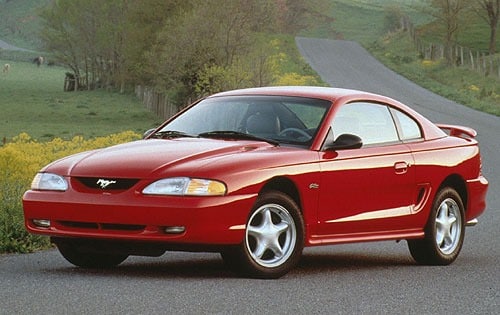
column 174, row 229
column 41, row 223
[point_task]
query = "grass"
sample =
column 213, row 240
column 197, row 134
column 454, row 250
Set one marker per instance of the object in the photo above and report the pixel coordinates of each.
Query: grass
column 32, row 101
column 13, row 235
column 363, row 20
column 351, row 22
column 474, row 35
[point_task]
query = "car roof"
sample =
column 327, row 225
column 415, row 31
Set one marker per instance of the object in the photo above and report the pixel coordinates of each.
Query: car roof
column 326, row 93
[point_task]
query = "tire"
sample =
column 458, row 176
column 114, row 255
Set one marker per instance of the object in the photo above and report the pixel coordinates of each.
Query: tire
column 78, row 256
column 274, row 239
column 444, row 232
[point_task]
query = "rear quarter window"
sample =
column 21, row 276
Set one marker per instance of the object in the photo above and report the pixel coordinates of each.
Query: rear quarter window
column 409, row 128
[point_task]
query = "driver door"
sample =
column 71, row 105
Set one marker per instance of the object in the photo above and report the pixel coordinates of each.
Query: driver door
column 370, row 189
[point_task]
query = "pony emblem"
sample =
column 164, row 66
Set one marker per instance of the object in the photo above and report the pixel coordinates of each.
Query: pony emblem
column 103, row 183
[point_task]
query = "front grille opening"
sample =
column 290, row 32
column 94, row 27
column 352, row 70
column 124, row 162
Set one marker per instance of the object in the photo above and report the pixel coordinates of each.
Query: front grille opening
column 107, row 183
column 103, row 226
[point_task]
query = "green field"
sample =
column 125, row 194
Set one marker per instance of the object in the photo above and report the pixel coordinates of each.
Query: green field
column 32, row 101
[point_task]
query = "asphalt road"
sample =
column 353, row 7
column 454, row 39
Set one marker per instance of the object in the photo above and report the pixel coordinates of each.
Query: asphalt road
column 374, row 278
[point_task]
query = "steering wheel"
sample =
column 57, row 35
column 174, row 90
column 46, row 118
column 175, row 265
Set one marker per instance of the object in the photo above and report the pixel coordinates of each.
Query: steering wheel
column 295, row 133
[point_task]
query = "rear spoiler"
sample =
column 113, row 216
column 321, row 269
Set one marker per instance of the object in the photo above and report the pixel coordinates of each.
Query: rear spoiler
column 458, row 131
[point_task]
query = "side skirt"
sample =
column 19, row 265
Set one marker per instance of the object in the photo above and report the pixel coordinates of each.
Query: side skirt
column 316, row 240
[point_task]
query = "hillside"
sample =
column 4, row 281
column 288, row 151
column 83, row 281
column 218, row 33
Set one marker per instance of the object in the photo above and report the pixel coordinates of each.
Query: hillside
column 19, row 22
column 359, row 20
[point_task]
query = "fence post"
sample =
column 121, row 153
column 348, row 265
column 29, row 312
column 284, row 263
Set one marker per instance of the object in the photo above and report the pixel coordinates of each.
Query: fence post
column 471, row 59
column 461, row 56
column 156, row 102
column 491, row 65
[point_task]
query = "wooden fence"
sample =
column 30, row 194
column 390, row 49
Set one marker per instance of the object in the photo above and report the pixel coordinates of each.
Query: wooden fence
column 156, row 102
column 482, row 62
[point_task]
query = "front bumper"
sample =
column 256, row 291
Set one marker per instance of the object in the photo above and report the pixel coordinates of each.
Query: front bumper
column 136, row 217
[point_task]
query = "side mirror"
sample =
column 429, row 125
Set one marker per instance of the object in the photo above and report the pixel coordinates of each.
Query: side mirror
column 147, row 133
column 346, row 141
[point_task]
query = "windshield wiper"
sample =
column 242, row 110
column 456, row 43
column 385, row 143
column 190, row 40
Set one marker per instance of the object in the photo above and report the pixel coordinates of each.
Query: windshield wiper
column 228, row 134
column 170, row 134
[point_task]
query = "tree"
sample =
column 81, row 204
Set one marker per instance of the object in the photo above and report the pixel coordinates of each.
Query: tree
column 190, row 47
column 451, row 15
column 60, row 36
column 88, row 37
column 198, row 48
column 297, row 15
column 490, row 11
column 145, row 20
column 395, row 19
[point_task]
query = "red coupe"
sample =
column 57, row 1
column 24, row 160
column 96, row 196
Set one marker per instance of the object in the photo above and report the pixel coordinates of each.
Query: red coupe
column 257, row 174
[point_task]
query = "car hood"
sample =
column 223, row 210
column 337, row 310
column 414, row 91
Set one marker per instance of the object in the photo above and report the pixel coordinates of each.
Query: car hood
column 148, row 158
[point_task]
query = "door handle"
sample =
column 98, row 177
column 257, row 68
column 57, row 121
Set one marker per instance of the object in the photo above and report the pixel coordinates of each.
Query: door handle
column 401, row 167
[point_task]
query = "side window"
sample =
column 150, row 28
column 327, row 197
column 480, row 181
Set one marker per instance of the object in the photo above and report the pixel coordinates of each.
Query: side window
column 372, row 122
column 409, row 127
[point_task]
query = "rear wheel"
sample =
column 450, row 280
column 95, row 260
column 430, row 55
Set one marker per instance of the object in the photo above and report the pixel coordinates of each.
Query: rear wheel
column 274, row 238
column 78, row 255
column 444, row 233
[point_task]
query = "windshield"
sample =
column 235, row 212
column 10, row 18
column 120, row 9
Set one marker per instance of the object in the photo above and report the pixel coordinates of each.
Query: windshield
column 284, row 120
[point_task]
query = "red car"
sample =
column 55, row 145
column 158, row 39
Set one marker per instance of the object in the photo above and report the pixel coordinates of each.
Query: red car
column 257, row 174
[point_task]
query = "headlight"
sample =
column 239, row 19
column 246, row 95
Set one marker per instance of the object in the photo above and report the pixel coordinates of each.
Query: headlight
column 49, row 181
column 185, row 186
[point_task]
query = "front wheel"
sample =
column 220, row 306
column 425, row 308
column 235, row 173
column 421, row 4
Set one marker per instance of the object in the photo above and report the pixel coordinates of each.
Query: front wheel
column 274, row 238
column 444, row 233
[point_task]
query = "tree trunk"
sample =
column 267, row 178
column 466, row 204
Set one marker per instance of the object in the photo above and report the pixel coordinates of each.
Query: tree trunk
column 493, row 37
